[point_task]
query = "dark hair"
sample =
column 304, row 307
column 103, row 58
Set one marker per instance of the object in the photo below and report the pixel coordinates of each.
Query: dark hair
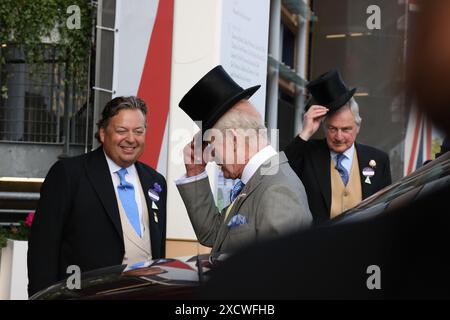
column 113, row 107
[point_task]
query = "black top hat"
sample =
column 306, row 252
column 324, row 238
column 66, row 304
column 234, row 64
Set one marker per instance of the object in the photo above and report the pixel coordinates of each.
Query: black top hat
column 212, row 96
column 329, row 90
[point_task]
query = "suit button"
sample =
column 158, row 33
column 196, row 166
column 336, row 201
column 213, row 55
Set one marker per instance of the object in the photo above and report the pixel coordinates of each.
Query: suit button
column 345, row 194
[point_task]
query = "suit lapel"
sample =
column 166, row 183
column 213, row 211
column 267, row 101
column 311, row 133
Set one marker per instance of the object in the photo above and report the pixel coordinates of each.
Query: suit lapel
column 363, row 161
column 245, row 193
column 100, row 178
column 147, row 182
column 320, row 158
column 249, row 188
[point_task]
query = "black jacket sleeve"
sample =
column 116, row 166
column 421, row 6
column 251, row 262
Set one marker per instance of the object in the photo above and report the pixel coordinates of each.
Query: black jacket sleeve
column 47, row 229
column 295, row 152
column 164, row 223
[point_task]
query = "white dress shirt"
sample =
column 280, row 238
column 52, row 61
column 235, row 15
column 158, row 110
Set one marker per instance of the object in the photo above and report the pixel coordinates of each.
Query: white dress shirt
column 348, row 159
column 131, row 177
column 257, row 161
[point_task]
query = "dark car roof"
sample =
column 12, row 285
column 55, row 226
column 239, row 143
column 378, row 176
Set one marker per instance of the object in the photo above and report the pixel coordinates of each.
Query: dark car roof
column 429, row 178
column 154, row 279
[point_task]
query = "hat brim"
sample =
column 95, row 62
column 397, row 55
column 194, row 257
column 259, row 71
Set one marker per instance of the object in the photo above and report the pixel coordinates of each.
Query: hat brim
column 335, row 104
column 227, row 105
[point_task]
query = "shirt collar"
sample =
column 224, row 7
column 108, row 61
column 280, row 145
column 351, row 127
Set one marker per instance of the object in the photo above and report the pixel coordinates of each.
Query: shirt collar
column 256, row 161
column 348, row 153
column 114, row 167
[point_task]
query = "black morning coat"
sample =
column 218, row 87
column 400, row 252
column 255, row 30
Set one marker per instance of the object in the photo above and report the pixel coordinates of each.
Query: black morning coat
column 311, row 162
column 77, row 221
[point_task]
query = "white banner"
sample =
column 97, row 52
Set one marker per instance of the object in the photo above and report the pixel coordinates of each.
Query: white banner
column 244, row 45
column 134, row 24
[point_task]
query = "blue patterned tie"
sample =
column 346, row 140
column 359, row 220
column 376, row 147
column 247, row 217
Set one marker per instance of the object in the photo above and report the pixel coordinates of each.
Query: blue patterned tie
column 339, row 167
column 237, row 188
column 126, row 195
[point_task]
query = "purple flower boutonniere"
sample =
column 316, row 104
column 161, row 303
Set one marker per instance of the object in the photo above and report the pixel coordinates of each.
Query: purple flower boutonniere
column 157, row 187
column 153, row 193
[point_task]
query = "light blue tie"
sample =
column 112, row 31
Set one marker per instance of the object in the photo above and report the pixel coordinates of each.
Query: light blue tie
column 126, row 195
column 237, row 188
column 339, row 167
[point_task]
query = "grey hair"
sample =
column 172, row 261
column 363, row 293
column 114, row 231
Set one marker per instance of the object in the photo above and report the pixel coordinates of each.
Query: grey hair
column 238, row 119
column 354, row 108
column 250, row 131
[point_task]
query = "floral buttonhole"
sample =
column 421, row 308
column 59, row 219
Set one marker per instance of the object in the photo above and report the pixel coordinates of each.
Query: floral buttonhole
column 153, row 193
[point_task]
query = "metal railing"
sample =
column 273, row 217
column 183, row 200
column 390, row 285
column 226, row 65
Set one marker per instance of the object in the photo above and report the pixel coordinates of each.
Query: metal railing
column 34, row 99
column 26, row 196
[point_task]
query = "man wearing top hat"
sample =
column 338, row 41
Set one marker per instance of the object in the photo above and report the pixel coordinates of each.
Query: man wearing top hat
column 268, row 199
column 336, row 171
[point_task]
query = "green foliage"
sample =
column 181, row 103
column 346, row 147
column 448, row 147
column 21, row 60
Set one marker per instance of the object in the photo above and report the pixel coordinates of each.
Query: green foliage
column 28, row 22
column 20, row 232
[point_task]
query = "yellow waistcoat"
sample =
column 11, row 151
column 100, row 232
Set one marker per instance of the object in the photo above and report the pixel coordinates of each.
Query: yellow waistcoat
column 345, row 197
column 137, row 249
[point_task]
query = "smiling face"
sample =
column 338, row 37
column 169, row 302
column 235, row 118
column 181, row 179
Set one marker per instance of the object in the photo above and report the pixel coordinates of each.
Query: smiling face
column 341, row 130
column 123, row 138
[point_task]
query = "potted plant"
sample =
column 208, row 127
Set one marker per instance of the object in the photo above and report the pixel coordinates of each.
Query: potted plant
column 20, row 232
column 13, row 259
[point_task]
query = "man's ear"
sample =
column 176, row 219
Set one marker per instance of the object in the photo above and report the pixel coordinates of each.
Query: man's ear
column 101, row 134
